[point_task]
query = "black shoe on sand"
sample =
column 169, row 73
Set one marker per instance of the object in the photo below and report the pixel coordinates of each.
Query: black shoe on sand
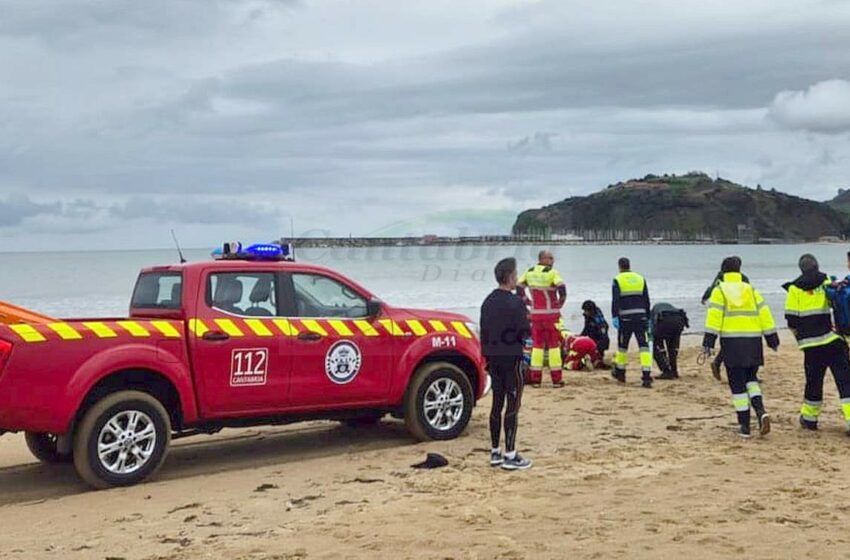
column 808, row 424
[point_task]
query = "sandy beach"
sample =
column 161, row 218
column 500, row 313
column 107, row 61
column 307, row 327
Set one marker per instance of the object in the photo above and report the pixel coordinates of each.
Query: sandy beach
column 620, row 472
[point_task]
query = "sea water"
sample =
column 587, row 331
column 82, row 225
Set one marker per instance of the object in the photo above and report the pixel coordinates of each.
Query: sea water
column 452, row 278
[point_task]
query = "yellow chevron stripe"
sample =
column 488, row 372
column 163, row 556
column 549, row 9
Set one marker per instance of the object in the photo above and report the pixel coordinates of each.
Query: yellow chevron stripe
column 416, row 327
column 259, row 328
column 99, row 329
column 28, row 333
column 438, row 326
column 65, row 331
column 166, row 329
column 134, row 328
column 198, row 327
column 285, row 327
column 365, row 327
column 313, row 326
column 461, row 329
column 229, row 327
column 340, row 327
column 391, row 327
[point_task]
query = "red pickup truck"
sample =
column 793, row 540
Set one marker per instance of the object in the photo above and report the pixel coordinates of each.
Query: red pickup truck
column 230, row 343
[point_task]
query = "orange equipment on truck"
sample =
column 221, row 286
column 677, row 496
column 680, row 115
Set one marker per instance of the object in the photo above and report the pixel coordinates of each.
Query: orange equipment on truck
column 11, row 314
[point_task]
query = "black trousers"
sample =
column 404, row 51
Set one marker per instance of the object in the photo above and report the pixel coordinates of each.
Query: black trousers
column 817, row 360
column 507, row 383
column 746, row 392
column 665, row 350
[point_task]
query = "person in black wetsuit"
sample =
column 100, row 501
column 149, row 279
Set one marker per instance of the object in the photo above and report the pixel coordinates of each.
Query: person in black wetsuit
column 504, row 327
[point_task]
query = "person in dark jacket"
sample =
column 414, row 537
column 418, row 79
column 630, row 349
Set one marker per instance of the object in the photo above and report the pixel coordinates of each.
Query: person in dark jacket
column 504, row 328
column 725, row 266
column 666, row 324
column 595, row 327
column 809, row 317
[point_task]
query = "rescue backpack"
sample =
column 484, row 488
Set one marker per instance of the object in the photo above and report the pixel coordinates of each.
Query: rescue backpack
column 840, row 302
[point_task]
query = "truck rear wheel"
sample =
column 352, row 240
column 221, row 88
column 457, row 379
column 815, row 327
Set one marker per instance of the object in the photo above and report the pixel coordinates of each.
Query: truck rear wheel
column 44, row 448
column 122, row 440
column 438, row 403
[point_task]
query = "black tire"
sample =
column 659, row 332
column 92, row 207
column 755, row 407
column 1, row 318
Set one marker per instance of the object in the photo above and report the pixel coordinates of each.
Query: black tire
column 43, row 446
column 87, row 461
column 421, row 382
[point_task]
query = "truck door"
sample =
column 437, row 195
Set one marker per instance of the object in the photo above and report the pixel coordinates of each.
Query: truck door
column 340, row 355
column 240, row 355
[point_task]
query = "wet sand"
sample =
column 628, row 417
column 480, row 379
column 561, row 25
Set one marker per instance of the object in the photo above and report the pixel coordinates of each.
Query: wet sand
column 620, row 472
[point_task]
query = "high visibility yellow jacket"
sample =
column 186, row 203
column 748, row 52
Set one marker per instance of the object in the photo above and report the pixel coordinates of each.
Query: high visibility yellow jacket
column 738, row 315
column 546, row 291
column 807, row 310
column 630, row 296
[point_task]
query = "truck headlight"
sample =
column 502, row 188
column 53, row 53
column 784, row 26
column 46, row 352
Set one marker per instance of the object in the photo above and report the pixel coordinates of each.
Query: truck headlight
column 474, row 329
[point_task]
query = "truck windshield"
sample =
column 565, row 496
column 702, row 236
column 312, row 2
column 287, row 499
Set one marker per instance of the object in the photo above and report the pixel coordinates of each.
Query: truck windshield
column 158, row 290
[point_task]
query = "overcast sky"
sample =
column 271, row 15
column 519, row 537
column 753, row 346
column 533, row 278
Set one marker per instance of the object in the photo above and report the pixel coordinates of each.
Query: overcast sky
column 223, row 119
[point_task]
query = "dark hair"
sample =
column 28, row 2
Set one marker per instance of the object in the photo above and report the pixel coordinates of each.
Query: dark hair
column 731, row 264
column 808, row 263
column 504, row 269
column 624, row 263
column 588, row 305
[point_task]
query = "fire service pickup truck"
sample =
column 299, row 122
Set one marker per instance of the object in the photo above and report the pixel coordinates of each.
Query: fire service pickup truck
column 250, row 338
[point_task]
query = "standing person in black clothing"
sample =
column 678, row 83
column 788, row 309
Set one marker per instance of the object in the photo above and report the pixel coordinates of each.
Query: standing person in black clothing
column 666, row 325
column 504, row 327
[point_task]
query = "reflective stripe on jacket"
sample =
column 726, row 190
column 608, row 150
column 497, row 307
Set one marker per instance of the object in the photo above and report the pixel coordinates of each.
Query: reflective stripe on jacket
column 542, row 283
column 808, row 313
column 630, row 298
column 738, row 315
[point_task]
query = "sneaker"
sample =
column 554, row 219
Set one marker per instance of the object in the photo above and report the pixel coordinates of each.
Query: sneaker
column 496, row 458
column 764, row 423
column 558, row 383
column 808, row 424
column 744, row 432
column 667, row 375
column 518, row 463
column 535, row 385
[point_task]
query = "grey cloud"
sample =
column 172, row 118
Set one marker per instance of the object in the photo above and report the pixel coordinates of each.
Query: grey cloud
column 178, row 210
column 822, row 107
column 16, row 208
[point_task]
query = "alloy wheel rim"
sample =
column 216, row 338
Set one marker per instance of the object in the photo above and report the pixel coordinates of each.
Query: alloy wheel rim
column 126, row 442
column 443, row 404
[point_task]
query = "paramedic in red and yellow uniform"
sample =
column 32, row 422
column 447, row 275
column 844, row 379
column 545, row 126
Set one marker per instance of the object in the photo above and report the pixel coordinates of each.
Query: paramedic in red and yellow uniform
column 544, row 292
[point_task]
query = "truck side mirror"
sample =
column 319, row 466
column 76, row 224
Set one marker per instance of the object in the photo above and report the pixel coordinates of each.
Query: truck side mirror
column 373, row 307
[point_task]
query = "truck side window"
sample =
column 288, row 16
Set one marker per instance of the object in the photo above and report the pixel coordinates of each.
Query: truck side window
column 320, row 296
column 247, row 294
column 158, row 290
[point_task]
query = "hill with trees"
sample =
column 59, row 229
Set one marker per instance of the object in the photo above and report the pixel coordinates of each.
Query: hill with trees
column 691, row 207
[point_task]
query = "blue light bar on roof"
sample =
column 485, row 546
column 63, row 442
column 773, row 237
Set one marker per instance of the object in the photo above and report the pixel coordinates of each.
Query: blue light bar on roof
column 255, row 252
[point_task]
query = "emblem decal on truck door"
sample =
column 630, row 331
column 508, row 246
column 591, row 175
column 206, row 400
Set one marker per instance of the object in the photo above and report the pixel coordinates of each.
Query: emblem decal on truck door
column 249, row 366
column 342, row 362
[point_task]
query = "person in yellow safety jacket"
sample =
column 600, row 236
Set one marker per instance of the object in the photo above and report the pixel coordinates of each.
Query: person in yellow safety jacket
column 809, row 317
column 738, row 315
column 630, row 316
column 546, row 295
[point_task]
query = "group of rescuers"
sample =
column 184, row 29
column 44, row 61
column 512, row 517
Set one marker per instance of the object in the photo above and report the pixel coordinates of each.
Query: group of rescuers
column 529, row 305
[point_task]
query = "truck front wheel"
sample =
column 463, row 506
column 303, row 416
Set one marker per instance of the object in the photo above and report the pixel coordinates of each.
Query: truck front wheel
column 44, row 448
column 439, row 401
column 121, row 440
